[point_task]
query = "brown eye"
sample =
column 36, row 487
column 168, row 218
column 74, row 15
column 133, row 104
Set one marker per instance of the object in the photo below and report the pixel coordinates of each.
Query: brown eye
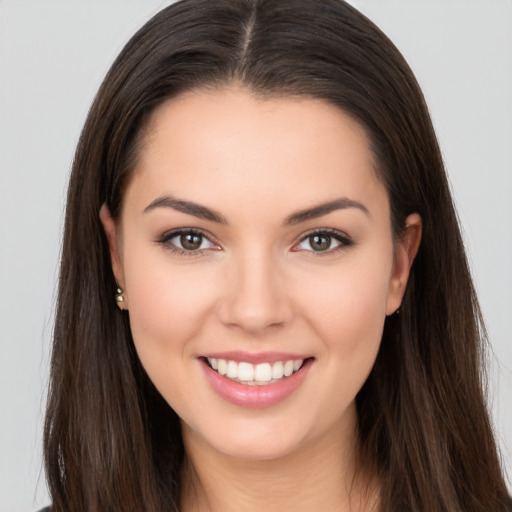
column 187, row 241
column 191, row 241
column 328, row 240
column 320, row 242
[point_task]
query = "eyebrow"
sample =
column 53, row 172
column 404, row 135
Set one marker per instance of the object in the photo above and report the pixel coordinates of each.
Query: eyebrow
column 202, row 212
column 188, row 207
column 323, row 209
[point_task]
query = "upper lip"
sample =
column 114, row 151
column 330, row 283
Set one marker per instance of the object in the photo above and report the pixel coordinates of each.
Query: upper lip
column 255, row 358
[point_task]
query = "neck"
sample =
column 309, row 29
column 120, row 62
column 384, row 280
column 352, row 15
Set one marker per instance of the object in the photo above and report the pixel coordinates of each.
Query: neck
column 321, row 475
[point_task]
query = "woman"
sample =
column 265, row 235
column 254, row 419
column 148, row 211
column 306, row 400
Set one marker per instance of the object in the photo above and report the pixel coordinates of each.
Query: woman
column 264, row 299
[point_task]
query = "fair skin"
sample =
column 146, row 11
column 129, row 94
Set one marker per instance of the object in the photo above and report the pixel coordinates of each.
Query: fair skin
column 255, row 280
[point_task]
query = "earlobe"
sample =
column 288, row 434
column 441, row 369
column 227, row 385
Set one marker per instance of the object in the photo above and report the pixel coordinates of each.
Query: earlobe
column 111, row 230
column 406, row 250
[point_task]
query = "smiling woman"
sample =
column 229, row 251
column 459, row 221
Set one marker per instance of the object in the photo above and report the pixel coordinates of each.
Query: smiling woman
column 264, row 299
column 270, row 305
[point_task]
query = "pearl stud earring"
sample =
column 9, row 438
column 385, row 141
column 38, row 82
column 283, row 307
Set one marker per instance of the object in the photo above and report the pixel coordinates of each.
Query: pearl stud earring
column 120, row 299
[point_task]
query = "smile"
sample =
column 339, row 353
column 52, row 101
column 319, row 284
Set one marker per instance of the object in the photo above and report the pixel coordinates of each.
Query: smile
column 266, row 381
column 255, row 374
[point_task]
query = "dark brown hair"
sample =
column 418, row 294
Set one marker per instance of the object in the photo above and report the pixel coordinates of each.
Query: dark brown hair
column 111, row 442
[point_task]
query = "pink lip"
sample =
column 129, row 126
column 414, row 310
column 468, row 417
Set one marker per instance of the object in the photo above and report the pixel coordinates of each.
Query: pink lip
column 255, row 358
column 256, row 396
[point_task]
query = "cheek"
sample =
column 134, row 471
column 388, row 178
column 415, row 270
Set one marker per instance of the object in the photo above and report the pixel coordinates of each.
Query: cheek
column 168, row 307
column 167, row 303
column 348, row 309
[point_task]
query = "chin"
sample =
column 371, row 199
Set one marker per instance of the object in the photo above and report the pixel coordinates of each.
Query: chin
column 250, row 439
column 259, row 449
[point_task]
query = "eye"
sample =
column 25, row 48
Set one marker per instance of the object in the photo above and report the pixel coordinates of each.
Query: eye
column 186, row 241
column 326, row 240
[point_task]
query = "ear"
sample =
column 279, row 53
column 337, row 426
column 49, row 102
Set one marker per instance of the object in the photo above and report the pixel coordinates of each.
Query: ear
column 405, row 252
column 112, row 232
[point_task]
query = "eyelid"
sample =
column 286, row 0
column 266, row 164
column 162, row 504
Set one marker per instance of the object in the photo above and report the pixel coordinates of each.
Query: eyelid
column 340, row 236
column 164, row 240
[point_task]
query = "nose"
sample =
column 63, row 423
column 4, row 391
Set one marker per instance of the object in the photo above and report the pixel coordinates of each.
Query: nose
column 255, row 297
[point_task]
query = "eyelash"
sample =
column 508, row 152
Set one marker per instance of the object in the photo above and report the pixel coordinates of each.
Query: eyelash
column 164, row 240
column 343, row 239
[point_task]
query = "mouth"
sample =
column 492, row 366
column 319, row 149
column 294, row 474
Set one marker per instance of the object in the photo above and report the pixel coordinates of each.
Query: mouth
column 267, row 381
column 262, row 374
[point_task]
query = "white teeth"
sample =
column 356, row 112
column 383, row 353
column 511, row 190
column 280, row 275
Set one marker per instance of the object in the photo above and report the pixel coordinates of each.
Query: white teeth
column 222, row 366
column 277, row 370
column 245, row 371
column 232, row 371
column 263, row 372
column 258, row 374
column 288, row 368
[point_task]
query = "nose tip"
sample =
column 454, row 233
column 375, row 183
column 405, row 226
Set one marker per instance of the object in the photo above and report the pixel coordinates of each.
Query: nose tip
column 254, row 319
column 256, row 299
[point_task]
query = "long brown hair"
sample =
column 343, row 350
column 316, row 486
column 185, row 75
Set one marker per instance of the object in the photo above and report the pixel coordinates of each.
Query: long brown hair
column 111, row 441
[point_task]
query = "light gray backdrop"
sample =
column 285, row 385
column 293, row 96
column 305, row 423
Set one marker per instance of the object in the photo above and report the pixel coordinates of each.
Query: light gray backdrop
column 53, row 55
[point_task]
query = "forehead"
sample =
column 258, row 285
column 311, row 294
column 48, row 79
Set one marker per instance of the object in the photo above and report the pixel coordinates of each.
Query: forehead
column 224, row 143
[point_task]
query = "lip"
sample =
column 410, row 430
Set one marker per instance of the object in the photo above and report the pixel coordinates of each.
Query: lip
column 255, row 396
column 255, row 358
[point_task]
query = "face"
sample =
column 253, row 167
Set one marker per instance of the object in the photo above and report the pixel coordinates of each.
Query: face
column 257, row 258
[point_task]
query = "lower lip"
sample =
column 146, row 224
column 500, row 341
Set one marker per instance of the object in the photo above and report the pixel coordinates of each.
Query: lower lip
column 256, row 396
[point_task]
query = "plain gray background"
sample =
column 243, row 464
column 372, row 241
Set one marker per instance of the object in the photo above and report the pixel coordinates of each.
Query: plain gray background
column 53, row 55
